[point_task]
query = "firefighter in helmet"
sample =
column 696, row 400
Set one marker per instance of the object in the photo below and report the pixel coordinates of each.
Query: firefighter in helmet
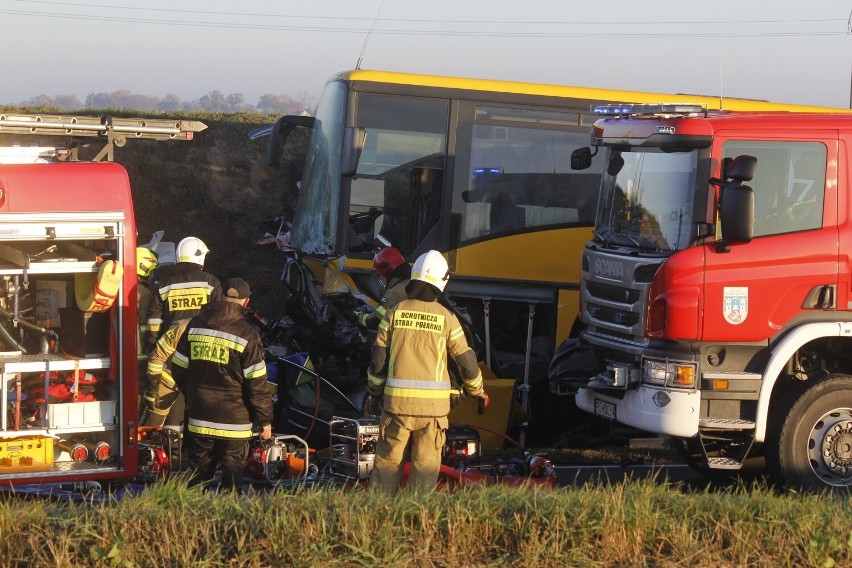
column 186, row 290
column 180, row 296
column 146, row 262
column 408, row 381
column 394, row 274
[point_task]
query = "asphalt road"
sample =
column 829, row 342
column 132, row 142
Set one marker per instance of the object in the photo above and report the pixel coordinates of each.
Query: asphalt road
column 579, row 475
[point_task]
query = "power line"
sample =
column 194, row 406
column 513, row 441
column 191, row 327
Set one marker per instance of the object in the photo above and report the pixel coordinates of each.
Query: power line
column 607, row 22
column 421, row 32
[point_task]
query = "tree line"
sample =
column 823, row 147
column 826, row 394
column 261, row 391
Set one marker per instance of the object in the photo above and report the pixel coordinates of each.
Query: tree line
column 214, row 101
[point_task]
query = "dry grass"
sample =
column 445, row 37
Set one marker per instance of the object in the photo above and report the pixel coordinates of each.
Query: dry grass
column 633, row 524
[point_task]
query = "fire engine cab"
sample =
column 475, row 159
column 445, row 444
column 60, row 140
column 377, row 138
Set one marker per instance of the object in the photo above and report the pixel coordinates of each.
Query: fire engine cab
column 716, row 288
column 68, row 368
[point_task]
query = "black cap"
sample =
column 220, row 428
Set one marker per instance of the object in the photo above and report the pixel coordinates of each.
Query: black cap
column 237, row 288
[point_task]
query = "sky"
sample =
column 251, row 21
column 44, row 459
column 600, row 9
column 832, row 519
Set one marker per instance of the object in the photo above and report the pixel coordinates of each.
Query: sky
column 793, row 51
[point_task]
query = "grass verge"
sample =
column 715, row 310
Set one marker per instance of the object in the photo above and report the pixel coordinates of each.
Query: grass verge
column 631, row 524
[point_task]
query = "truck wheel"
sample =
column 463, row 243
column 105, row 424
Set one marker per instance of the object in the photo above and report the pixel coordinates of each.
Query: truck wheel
column 811, row 448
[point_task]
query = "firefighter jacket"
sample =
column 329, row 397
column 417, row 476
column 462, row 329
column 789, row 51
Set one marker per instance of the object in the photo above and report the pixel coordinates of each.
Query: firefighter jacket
column 394, row 294
column 181, row 296
column 219, row 366
column 409, row 359
column 144, row 303
column 158, row 362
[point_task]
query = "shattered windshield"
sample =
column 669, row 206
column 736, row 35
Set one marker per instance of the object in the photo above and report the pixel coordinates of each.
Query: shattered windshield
column 315, row 220
column 647, row 200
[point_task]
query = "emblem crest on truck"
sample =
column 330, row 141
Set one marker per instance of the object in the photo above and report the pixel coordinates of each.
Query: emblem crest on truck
column 735, row 304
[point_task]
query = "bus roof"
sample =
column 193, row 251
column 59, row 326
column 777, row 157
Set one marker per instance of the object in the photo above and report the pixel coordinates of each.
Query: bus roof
column 566, row 91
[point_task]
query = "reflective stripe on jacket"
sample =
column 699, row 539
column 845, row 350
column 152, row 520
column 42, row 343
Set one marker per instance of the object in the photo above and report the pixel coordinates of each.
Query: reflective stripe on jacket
column 182, row 295
column 417, row 337
column 219, row 365
column 161, row 355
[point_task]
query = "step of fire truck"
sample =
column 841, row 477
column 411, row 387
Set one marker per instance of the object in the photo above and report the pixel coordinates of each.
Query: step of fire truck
column 113, row 131
column 738, row 433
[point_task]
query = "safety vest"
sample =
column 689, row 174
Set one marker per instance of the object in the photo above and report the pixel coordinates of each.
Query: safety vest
column 418, row 336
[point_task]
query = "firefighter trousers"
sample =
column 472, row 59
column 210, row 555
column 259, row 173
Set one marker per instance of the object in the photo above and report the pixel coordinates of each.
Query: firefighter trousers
column 427, row 435
column 206, row 453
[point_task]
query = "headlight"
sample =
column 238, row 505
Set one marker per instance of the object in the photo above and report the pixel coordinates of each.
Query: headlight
column 669, row 374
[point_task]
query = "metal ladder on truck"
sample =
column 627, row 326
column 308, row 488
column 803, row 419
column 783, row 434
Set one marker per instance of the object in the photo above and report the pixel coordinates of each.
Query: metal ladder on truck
column 18, row 132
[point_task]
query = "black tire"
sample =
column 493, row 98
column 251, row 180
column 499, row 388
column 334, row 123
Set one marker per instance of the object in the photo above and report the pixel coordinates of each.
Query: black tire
column 809, row 443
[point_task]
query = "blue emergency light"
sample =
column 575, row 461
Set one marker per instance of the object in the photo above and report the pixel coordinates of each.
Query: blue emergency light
column 632, row 109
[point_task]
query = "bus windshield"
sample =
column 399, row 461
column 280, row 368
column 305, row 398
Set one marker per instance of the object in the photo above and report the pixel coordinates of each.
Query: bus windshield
column 315, row 223
column 647, row 200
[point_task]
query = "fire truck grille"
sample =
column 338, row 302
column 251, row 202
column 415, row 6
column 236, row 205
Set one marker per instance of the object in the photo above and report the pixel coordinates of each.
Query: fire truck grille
column 614, row 316
column 612, row 293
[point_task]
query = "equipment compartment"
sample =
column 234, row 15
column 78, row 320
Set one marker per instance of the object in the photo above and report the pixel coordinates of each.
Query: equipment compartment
column 77, row 414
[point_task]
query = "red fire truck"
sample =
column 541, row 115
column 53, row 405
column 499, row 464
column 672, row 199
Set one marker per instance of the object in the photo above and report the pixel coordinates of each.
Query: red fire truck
column 716, row 290
column 68, row 366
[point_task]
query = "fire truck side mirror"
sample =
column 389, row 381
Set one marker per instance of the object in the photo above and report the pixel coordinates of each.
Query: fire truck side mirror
column 736, row 213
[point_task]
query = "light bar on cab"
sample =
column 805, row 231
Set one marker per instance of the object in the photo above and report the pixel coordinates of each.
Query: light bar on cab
column 647, row 109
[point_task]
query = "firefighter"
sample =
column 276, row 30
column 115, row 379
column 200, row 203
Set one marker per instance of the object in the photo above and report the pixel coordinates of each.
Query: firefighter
column 162, row 402
column 146, row 262
column 394, row 274
column 183, row 293
column 408, row 381
column 219, row 365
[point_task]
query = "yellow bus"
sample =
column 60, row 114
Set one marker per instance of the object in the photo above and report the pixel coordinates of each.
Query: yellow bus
column 477, row 169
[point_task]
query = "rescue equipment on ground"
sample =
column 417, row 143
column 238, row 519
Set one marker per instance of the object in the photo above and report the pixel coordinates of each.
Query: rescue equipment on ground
column 462, row 447
column 159, row 453
column 353, row 446
column 282, row 457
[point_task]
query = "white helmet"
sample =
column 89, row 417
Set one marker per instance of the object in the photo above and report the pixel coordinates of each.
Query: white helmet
column 431, row 268
column 192, row 249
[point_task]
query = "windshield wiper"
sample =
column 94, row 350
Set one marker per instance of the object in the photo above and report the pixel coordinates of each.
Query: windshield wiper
column 610, row 238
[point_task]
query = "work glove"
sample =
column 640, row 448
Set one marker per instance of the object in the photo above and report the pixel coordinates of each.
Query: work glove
column 372, row 406
column 266, row 432
column 482, row 402
column 364, row 314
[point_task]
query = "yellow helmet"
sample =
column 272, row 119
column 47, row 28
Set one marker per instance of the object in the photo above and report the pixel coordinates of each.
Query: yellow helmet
column 146, row 261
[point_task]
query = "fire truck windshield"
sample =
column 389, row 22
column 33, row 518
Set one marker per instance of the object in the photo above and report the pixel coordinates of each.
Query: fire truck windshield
column 647, row 200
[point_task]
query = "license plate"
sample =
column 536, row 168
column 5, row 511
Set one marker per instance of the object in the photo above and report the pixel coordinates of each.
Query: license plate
column 604, row 409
